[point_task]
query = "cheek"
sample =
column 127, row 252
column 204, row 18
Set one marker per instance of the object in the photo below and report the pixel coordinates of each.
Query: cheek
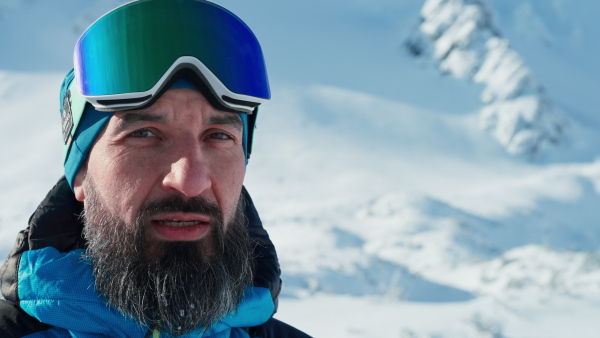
column 227, row 185
column 122, row 181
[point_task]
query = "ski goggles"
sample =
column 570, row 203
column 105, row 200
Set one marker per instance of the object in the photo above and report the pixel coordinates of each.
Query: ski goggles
column 128, row 57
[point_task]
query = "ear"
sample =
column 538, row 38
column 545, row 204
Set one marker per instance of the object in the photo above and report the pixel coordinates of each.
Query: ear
column 78, row 183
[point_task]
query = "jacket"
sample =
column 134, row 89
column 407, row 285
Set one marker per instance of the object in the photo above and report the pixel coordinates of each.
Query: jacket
column 46, row 285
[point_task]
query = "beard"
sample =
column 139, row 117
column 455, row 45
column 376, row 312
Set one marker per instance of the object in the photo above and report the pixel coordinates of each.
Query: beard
column 172, row 286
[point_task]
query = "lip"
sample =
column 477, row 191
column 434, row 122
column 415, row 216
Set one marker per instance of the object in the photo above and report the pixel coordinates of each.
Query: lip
column 180, row 226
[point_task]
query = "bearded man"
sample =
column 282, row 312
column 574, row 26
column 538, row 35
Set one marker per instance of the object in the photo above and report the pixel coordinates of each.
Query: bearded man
column 150, row 232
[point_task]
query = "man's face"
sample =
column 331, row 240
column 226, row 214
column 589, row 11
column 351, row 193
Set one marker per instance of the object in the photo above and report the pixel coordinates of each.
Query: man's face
column 164, row 221
column 180, row 145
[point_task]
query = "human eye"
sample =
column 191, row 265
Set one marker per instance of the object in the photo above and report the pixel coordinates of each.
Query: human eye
column 220, row 136
column 141, row 133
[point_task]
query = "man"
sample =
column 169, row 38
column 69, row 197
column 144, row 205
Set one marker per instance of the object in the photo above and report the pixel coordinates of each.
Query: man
column 157, row 117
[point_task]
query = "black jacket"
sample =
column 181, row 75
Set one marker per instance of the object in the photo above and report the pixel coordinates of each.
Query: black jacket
column 56, row 223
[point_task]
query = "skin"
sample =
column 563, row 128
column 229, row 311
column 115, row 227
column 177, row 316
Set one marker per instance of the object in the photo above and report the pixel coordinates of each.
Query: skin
column 179, row 145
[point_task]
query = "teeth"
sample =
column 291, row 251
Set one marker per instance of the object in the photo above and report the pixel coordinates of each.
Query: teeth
column 178, row 223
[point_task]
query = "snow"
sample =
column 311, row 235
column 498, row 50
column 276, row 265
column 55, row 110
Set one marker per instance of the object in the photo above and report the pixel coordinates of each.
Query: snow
column 480, row 318
column 468, row 45
column 390, row 190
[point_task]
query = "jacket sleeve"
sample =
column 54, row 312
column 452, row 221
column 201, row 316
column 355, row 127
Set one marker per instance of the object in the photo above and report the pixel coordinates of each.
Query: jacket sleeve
column 54, row 223
column 14, row 322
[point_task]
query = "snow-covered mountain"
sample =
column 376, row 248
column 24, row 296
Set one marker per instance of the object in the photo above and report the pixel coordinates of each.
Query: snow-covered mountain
column 462, row 37
column 393, row 210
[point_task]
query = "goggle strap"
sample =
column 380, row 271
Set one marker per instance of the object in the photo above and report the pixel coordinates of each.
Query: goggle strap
column 251, row 126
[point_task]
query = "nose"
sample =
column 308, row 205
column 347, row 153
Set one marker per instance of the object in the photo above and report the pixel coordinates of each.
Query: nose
column 188, row 174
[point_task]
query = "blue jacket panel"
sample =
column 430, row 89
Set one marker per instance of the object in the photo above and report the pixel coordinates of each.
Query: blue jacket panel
column 58, row 289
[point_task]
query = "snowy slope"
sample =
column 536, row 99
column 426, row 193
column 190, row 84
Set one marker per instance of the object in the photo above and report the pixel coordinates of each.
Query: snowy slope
column 484, row 206
column 418, row 206
column 393, row 211
column 32, row 147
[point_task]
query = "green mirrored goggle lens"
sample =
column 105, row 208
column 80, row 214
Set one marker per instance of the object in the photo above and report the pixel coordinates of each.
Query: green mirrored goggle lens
column 129, row 49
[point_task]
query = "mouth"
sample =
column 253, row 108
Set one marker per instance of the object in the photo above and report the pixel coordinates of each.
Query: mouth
column 181, row 227
column 179, row 223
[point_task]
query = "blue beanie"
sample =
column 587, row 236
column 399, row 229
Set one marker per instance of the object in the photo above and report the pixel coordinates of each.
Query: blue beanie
column 92, row 122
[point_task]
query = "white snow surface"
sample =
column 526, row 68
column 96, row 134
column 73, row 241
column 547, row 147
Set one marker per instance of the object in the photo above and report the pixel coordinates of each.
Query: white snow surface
column 393, row 212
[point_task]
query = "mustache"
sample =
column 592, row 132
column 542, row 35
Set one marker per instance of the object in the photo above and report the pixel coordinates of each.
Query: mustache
column 177, row 203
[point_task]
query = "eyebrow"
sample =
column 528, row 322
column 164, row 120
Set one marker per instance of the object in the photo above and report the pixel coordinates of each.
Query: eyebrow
column 230, row 119
column 130, row 118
